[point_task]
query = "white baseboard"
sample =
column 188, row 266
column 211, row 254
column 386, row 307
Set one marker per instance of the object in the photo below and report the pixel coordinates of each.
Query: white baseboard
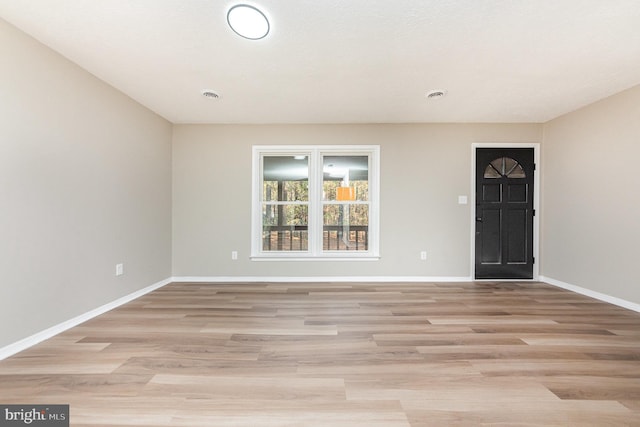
column 314, row 279
column 34, row 339
column 593, row 294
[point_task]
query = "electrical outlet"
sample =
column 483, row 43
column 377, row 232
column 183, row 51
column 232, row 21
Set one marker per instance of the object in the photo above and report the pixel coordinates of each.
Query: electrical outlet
column 119, row 269
column 423, row 255
column 234, row 255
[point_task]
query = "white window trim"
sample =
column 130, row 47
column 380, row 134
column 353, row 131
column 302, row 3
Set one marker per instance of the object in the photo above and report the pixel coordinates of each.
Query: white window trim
column 315, row 252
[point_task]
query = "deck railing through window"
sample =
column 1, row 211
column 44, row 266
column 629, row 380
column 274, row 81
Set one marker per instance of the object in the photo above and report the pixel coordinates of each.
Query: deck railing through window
column 334, row 238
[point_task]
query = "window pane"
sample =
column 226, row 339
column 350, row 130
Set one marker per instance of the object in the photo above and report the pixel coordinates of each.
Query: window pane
column 285, row 227
column 499, row 165
column 504, row 166
column 491, row 172
column 345, row 227
column 345, row 178
column 517, row 172
column 509, row 165
column 285, row 178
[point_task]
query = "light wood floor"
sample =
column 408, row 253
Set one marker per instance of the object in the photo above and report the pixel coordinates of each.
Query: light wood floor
column 424, row 354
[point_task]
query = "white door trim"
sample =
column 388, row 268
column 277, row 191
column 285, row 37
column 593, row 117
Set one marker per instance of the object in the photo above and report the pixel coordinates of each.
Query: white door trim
column 536, row 199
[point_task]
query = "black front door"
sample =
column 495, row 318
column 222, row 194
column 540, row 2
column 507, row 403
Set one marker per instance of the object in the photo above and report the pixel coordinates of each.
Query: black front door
column 504, row 213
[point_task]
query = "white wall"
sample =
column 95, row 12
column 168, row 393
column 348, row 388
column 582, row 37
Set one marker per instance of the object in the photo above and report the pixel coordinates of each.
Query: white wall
column 424, row 168
column 591, row 197
column 85, row 183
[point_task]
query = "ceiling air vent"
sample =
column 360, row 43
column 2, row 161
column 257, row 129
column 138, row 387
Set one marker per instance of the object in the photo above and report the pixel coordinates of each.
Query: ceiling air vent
column 210, row 94
column 436, row 94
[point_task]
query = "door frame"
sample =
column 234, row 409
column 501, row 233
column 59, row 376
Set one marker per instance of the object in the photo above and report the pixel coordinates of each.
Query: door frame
column 536, row 204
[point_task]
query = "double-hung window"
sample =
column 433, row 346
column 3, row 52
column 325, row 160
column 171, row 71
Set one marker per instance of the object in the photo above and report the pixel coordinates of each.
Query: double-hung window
column 315, row 202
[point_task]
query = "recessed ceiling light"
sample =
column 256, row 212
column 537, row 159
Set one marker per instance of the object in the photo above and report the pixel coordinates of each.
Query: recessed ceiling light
column 211, row 94
column 436, row 94
column 248, row 22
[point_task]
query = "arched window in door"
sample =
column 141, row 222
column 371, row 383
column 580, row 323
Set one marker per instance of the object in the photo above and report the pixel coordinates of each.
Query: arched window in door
column 504, row 167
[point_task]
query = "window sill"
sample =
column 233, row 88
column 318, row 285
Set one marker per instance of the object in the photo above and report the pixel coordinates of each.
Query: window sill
column 261, row 258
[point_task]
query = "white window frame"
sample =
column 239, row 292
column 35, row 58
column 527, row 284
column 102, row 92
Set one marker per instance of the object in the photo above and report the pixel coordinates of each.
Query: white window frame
column 315, row 226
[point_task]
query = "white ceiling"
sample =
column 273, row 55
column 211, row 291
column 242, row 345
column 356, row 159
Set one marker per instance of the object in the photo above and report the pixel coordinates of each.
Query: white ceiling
column 349, row 61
